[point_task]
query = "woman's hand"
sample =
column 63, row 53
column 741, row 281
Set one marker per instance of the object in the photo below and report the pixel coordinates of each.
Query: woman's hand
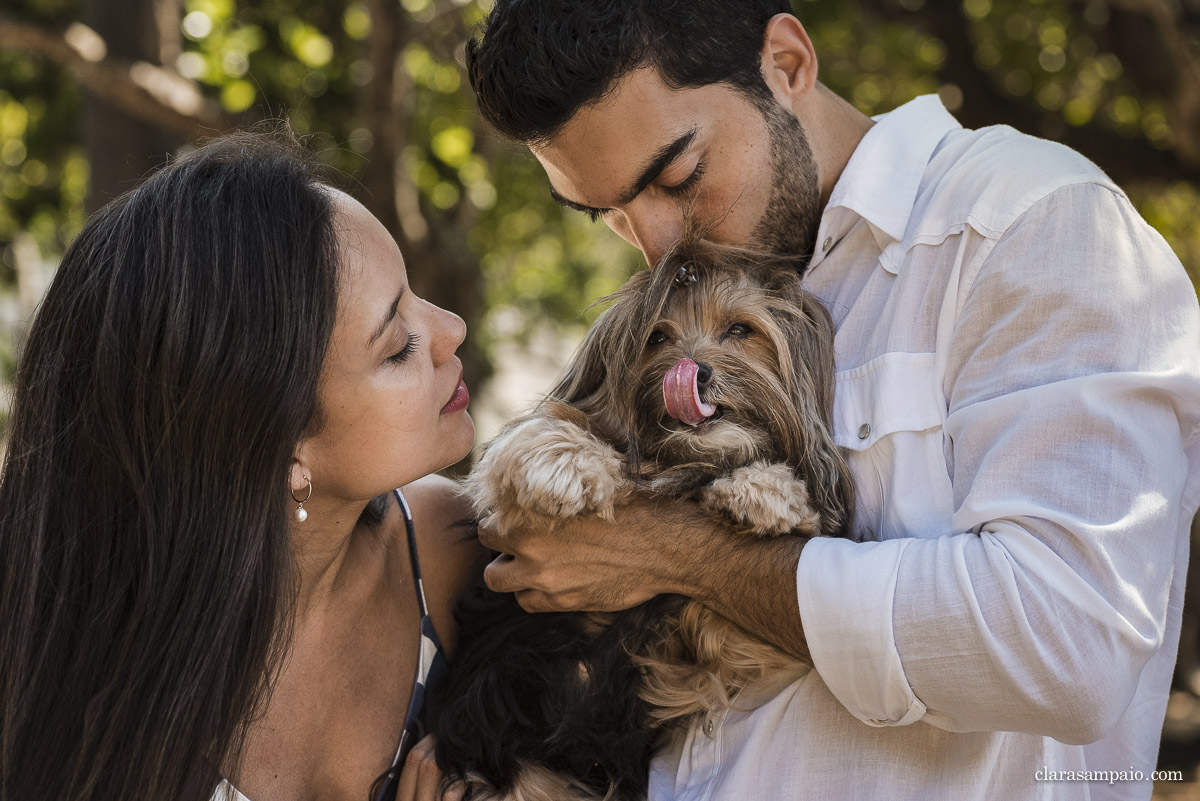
column 421, row 778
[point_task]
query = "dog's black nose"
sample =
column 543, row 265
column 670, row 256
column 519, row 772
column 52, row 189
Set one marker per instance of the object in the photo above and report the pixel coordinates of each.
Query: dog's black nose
column 703, row 374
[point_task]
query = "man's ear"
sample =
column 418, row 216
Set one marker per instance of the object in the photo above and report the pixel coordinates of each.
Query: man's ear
column 789, row 63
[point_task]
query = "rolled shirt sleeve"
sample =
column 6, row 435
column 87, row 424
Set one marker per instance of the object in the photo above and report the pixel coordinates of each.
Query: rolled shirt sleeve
column 1072, row 389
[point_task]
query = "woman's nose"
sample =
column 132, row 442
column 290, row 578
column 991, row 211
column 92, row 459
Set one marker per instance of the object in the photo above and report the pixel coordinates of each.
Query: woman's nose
column 450, row 331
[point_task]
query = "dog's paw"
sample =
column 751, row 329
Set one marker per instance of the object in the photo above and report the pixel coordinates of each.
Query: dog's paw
column 549, row 468
column 763, row 498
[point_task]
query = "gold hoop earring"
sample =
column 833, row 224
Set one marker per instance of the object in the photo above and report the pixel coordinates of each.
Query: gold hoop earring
column 301, row 512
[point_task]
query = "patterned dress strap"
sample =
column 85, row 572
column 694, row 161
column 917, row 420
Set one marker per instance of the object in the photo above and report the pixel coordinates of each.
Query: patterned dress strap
column 431, row 668
column 412, row 550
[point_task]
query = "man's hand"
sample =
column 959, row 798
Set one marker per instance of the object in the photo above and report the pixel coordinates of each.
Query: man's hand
column 594, row 564
column 648, row 549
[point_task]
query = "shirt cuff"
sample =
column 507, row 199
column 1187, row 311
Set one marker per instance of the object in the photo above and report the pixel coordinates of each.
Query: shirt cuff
column 845, row 592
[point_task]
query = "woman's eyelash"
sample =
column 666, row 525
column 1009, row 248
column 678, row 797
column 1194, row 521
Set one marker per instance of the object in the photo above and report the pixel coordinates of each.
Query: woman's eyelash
column 687, row 183
column 408, row 349
column 594, row 216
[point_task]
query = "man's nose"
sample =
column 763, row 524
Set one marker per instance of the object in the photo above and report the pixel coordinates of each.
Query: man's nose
column 655, row 224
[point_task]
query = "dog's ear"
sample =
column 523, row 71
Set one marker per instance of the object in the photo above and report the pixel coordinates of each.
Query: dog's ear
column 810, row 338
column 596, row 379
column 813, row 382
column 815, row 352
column 585, row 373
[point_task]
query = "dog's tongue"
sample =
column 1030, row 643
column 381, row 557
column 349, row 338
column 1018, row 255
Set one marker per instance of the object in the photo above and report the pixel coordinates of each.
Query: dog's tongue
column 682, row 396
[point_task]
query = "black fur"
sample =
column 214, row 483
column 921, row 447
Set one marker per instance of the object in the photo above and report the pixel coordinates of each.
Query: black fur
column 517, row 695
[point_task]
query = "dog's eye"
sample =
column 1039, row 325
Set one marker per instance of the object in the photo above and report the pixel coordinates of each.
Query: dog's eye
column 739, row 330
column 657, row 338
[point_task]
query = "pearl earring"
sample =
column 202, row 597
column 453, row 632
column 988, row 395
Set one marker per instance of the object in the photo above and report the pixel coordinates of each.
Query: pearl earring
column 301, row 512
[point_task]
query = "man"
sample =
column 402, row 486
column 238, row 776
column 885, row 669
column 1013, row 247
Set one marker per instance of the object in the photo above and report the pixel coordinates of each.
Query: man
column 1018, row 393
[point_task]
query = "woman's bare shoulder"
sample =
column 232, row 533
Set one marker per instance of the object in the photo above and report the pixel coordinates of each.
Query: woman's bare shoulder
column 437, row 503
column 451, row 557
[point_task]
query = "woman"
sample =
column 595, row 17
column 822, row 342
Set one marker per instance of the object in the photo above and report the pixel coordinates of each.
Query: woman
column 196, row 583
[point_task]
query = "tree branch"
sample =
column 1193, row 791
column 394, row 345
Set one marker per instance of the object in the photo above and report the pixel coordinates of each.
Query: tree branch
column 156, row 95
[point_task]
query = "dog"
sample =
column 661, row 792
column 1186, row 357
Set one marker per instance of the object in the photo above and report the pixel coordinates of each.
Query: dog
column 709, row 378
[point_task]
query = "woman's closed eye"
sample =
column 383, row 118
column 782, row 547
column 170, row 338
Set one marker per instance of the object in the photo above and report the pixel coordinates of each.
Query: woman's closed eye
column 409, row 348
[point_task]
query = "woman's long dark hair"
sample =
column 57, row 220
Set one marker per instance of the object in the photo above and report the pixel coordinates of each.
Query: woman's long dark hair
column 145, row 563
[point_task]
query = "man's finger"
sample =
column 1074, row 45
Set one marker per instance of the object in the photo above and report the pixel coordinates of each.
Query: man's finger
column 538, row 601
column 420, row 779
column 509, row 541
column 532, row 601
column 491, row 539
column 429, row 776
column 501, row 574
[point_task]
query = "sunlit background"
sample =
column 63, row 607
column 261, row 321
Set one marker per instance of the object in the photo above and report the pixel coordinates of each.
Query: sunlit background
column 94, row 93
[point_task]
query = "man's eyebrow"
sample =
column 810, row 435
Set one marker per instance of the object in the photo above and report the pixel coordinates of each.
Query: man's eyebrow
column 391, row 315
column 657, row 163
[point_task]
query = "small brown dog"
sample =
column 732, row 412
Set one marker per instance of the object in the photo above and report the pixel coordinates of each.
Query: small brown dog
column 710, row 378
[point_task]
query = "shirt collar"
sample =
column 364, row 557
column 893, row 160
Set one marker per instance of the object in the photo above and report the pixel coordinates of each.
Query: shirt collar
column 881, row 180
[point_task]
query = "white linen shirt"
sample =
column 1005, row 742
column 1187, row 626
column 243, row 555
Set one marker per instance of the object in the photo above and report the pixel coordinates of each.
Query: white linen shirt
column 1018, row 391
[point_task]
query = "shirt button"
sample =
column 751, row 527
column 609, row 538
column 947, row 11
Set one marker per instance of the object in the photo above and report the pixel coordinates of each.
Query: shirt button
column 709, row 727
column 864, row 431
column 828, row 241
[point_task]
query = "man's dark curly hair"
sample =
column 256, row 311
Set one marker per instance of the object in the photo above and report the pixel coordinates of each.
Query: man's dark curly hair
column 539, row 61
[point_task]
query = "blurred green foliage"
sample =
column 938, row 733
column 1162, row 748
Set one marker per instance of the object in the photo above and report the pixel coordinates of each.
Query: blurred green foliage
column 308, row 61
column 1175, row 211
column 1051, row 55
column 1044, row 50
column 875, row 63
column 43, row 169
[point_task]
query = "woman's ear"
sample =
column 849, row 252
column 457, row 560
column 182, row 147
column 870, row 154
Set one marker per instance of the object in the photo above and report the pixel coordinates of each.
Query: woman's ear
column 299, row 475
column 789, row 62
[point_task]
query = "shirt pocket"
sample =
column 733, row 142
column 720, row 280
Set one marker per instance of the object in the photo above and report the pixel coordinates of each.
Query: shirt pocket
column 888, row 415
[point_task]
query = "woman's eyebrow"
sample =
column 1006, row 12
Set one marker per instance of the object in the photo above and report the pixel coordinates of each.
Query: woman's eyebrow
column 391, row 315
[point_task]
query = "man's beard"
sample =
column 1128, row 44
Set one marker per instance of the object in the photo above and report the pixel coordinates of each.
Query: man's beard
column 788, row 226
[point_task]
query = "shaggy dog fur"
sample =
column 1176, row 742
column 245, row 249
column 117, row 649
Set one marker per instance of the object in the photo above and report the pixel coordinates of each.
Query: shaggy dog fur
column 572, row 705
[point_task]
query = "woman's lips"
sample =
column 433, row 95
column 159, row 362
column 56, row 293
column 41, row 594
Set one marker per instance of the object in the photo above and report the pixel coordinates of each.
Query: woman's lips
column 459, row 400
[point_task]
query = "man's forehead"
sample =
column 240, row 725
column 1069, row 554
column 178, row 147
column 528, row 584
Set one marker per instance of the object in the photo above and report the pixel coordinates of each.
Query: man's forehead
column 638, row 101
column 602, row 148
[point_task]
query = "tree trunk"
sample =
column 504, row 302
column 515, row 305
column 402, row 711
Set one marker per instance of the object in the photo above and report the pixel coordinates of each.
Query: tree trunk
column 122, row 149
